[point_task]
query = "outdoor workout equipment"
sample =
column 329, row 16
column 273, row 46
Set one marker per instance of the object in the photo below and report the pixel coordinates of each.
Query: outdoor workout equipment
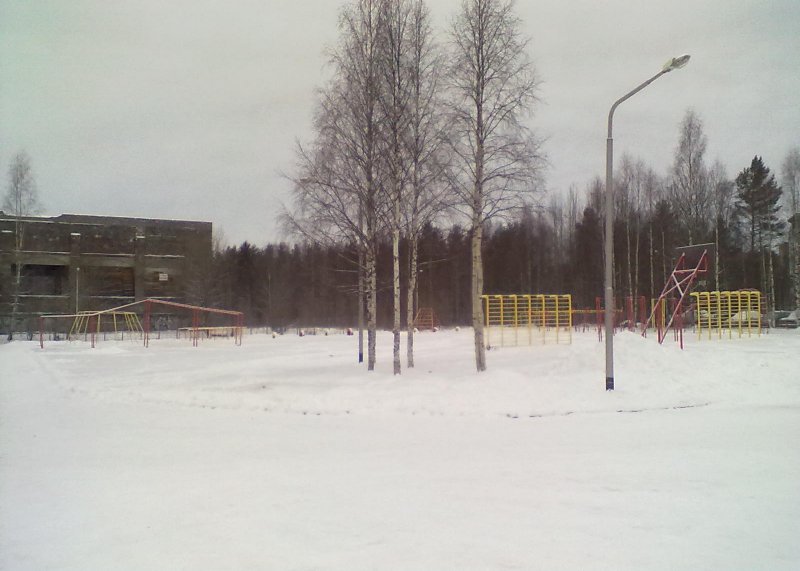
column 693, row 263
column 200, row 322
column 512, row 320
column 727, row 311
column 426, row 319
column 90, row 324
column 121, row 322
column 658, row 313
column 629, row 313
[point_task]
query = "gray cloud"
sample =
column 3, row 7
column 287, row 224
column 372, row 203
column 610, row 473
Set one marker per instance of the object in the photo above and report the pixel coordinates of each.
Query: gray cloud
column 191, row 109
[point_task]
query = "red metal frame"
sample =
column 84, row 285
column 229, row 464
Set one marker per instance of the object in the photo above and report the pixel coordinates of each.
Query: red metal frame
column 680, row 281
column 194, row 334
column 237, row 316
column 629, row 318
column 642, row 309
column 633, row 310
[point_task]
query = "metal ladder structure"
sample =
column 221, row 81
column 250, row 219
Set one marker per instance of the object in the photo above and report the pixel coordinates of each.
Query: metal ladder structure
column 426, row 319
column 693, row 262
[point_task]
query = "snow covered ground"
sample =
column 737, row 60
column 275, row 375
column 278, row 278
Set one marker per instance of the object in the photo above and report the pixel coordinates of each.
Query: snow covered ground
column 286, row 454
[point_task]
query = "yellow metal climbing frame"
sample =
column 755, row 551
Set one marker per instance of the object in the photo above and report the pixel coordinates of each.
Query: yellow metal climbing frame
column 512, row 320
column 727, row 313
column 105, row 321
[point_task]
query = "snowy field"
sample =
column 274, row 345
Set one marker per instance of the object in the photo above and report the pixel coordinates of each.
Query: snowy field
column 286, row 454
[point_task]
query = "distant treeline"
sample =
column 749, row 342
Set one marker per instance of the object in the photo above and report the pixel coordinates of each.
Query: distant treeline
column 554, row 250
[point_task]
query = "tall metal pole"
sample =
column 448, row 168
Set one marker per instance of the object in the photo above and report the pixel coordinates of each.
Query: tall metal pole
column 609, row 261
column 674, row 63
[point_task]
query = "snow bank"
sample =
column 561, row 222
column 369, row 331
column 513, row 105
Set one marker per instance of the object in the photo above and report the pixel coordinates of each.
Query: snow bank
column 319, row 374
column 286, row 454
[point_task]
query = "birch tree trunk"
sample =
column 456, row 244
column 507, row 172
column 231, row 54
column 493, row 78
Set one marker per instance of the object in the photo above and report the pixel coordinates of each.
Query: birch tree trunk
column 17, row 285
column 636, row 264
column 411, row 290
column 716, row 256
column 372, row 306
column 796, row 263
column 477, row 292
column 764, row 286
column 360, row 302
column 396, row 291
column 771, row 299
column 628, row 248
column 797, row 271
column 652, row 262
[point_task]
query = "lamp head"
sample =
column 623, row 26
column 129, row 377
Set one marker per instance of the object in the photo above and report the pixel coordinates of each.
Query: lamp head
column 676, row 63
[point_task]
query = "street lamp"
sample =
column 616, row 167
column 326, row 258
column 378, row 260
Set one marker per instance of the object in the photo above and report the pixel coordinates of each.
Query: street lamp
column 674, row 63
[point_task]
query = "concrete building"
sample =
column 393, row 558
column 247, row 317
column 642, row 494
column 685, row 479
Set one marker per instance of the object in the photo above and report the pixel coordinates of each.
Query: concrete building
column 73, row 262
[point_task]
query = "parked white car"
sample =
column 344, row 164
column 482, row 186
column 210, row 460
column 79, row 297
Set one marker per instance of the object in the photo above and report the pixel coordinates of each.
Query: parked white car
column 751, row 317
column 788, row 321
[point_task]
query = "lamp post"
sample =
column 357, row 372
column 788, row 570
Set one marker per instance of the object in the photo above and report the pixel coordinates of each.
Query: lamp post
column 674, row 63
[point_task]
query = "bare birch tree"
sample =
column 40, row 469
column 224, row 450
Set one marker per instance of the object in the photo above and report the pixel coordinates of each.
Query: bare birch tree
column 424, row 149
column 338, row 186
column 559, row 250
column 722, row 207
column 639, row 186
column 21, row 200
column 628, row 193
column 496, row 157
column 394, row 95
column 650, row 190
column 689, row 192
column 791, row 186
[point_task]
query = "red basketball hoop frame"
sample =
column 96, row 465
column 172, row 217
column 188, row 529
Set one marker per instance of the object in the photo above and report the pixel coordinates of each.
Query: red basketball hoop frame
column 692, row 262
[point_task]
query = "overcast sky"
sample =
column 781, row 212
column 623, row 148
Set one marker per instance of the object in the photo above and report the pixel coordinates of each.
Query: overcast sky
column 190, row 109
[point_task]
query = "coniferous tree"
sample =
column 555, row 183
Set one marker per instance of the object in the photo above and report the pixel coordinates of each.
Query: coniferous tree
column 588, row 267
column 758, row 203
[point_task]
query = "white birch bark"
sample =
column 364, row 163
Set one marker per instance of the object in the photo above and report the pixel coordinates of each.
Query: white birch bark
column 495, row 166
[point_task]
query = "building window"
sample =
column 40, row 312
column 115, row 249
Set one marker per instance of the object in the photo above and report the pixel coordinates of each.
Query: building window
column 105, row 281
column 42, row 280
